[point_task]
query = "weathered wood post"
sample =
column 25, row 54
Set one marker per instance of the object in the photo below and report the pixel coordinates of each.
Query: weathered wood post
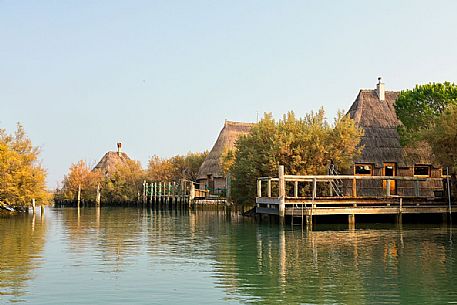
column 314, row 191
column 228, row 183
column 33, row 205
column 400, row 211
column 269, row 188
column 282, row 194
column 354, row 188
column 416, row 188
column 79, row 194
column 97, row 200
column 192, row 193
column 155, row 192
column 160, row 192
column 388, row 188
column 169, row 192
column 259, row 188
column 151, row 194
column 351, row 221
column 144, row 191
column 295, row 189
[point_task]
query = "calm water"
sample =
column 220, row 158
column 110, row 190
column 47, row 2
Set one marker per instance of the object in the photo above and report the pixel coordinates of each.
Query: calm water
column 136, row 256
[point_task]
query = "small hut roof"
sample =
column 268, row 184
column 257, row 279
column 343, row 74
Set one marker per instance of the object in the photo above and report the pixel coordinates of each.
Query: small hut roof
column 226, row 140
column 110, row 160
column 381, row 141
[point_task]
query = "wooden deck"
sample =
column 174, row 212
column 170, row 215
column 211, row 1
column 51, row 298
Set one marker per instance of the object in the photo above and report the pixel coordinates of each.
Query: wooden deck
column 324, row 200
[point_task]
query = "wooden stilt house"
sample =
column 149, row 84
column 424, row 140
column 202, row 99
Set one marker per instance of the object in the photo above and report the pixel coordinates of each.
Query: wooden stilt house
column 382, row 154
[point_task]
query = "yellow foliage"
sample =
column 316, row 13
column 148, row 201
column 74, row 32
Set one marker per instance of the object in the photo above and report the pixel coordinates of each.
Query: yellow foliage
column 22, row 178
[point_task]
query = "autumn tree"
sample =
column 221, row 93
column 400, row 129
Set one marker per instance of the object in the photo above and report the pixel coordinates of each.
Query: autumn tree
column 125, row 183
column 159, row 169
column 22, row 178
column 175, row 168
column 303, row 145
column 187, row 166
column 80, row 176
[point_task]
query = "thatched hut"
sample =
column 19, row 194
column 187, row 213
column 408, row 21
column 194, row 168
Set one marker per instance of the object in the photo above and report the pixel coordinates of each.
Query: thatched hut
column 210, row 175
column 382, row 153
column 110, row 160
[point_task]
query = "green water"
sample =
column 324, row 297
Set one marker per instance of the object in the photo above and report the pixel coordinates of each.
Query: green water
column 140, row 256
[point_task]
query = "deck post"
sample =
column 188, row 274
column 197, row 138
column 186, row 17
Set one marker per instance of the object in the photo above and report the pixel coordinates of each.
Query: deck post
column 388, row 188
column 351, row 220
column 192, row 192
column 259, row 188
column 416, row 188
column 282, row 193
column 169, row 191
column 354, row 188
column 269, row 188
column 295, row 189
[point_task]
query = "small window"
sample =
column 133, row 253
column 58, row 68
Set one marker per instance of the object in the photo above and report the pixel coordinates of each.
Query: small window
column 422, row 170
column 363, row 169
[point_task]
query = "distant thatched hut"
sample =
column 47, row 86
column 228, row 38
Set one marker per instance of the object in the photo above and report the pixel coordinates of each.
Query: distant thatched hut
column 110, row 160
column 382, row 154
column 211, row 176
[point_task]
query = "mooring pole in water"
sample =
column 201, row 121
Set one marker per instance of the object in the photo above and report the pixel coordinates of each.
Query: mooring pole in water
column 79, row 194
column 33, row 205
column 98, row 194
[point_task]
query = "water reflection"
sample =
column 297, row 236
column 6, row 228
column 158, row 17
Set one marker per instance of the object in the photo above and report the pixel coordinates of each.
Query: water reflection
column 341, row 267
column 21, row 244
column 215, row 256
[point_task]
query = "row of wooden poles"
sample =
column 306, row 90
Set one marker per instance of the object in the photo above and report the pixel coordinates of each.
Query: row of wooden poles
column 182, row 191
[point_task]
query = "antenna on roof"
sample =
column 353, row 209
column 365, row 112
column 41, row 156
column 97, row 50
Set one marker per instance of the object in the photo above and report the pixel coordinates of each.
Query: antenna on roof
column 380, row 90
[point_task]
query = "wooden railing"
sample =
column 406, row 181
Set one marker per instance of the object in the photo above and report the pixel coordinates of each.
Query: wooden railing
column 267, row 185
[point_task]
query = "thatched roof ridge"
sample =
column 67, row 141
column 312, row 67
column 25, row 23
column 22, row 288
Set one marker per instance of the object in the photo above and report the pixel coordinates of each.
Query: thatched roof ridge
column 381, row 140
column 110, row 160
column 226, row 140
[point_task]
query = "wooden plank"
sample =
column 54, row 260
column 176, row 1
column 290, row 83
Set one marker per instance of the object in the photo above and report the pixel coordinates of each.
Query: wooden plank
column 270, row 211
column 268, row 200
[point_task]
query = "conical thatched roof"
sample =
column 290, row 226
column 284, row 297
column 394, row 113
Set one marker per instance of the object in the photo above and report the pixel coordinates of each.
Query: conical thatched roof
column 226, row 140
column 379, row 121
column 110, row 160
column 381, row 140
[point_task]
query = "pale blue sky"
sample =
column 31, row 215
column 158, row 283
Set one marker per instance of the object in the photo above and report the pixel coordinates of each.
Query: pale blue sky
column 162, row 76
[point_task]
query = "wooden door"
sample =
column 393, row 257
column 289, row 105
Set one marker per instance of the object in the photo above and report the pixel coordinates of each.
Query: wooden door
column 390, row 170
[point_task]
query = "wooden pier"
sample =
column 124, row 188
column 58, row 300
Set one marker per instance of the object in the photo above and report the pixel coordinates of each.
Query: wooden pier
column 317, row 195
column 168, row 192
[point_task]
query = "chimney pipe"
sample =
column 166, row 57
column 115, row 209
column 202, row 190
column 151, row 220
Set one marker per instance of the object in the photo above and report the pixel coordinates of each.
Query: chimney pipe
column 380, row 90
column 119, row 148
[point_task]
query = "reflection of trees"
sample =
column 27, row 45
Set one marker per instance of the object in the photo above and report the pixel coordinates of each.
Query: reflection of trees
column 111, row 234
column 22, row 239
column 269, row 265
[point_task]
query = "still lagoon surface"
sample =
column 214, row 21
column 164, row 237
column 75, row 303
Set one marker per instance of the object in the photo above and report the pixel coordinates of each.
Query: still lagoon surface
column 142, row 256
